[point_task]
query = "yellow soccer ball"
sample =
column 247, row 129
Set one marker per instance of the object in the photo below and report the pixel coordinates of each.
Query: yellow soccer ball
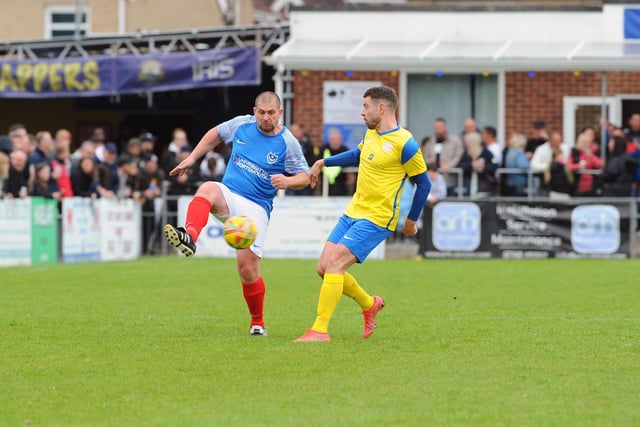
column 239, row 232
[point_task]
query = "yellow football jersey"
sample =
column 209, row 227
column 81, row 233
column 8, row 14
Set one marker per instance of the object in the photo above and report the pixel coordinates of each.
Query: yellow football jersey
column 387, row 160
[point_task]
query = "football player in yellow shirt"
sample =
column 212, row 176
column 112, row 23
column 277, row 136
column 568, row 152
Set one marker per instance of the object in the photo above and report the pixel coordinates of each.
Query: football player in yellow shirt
column 387, row 156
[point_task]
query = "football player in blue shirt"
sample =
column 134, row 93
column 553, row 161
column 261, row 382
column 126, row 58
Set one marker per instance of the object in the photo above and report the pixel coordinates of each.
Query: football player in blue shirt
column 265, row 158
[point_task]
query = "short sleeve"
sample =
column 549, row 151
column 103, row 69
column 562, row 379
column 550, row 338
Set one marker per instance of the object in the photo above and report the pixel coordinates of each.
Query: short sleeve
column 228, row 129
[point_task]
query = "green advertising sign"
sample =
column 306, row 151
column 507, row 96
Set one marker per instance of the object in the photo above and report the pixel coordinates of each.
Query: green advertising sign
column 44, row 231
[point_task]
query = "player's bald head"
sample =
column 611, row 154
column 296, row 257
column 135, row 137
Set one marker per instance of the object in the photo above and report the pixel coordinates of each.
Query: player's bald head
column 268, row 98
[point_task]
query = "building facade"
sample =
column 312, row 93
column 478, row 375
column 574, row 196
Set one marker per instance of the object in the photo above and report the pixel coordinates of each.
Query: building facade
column 506, row 66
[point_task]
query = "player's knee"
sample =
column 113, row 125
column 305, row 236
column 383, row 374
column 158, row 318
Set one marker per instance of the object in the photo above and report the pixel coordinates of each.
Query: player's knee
column 208, row 190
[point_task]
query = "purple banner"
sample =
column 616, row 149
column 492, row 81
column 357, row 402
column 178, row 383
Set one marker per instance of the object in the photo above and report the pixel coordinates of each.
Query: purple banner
column 104, row 75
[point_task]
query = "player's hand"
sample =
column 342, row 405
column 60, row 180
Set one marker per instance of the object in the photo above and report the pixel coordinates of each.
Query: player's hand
column 314, row 173
column 410, row 228
column 279, row 181
column 184, row 166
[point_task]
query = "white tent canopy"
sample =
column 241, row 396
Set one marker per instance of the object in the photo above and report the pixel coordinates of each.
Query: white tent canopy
column 434, row 55
column 428, row 41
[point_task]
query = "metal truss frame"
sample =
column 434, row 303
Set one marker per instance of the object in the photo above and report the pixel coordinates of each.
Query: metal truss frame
column 268, row 36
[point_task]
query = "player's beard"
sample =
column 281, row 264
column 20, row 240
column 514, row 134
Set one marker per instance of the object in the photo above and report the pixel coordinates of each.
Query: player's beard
column 372, row 123
column 266, row 126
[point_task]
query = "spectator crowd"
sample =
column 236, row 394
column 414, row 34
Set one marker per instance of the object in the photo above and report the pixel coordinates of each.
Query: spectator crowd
column 470, row 163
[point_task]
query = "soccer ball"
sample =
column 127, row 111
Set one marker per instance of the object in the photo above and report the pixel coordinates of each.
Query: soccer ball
column 239, row 232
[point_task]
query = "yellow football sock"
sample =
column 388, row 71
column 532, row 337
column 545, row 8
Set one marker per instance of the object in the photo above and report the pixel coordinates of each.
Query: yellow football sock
column 330, row 293
column 353, row 290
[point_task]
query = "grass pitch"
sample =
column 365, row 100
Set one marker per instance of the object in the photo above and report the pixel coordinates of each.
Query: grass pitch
column 164, row 342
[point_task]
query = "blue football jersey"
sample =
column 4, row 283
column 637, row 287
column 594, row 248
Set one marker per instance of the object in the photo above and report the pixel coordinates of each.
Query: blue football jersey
column 256, row 156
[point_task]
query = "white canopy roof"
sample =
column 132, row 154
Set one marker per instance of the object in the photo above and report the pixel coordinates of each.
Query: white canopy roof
column 416, row 40
column 434, row 55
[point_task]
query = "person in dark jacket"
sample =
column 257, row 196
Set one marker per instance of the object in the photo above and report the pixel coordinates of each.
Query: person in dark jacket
column 619, row 171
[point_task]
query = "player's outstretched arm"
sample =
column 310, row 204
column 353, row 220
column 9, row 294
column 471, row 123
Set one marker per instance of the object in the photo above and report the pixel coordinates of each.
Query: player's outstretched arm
column 294, row 182
column 314, row 172
column 207, row 143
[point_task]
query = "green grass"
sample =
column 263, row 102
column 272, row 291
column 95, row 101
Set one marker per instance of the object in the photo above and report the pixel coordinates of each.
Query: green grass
column 164, row 342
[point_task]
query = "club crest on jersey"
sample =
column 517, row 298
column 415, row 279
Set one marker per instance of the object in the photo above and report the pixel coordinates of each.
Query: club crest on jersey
column 387, row 146
column 272, row 158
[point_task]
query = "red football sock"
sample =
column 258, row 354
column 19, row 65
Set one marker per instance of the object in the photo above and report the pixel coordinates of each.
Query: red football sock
column 197, row 216
column 254, row 296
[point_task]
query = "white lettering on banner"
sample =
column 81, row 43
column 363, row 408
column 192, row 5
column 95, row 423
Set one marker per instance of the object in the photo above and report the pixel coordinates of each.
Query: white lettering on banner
column 513, row 225
column 214, row 69
column 526, row 211
column 522, row 240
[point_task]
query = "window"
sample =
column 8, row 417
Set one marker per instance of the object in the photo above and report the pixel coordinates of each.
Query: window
column 60, row 21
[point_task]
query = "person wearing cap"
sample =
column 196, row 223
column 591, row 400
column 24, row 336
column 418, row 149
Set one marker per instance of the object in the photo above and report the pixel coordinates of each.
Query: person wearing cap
column 147, row 145
column 134, row 149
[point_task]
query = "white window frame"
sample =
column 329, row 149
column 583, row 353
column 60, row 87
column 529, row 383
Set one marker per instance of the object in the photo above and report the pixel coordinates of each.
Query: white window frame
column 571, row 103
column 50, row 27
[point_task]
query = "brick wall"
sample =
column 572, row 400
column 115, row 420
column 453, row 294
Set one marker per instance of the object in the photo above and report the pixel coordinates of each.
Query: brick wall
column 307, row 101
column 540, row 97
column 527, row 98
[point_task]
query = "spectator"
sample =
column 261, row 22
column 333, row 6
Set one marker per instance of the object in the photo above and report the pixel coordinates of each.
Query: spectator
column 445, row 150
column 489, row 135
column 40, row 185
column 99, row 138
column 341, row 183
column 61, row 163
column 594, row 139
column 438, row 184
column 84, row 178
column 86, row 149
column 583, row 158
column 478, row 166
column 212, row 166
column 134, row 150
column 311, row 148
column 4, row 171
column 129, row 182
column 179, row 141
column 19, row 137
column 558, row 177
column 632, row 133
column 469, row 126
column 182, row 184
column 43, row 150
column 108, row 171
column 543, row 156
column 438, row 192
column 17, row 184
column 539, row 137
column 63, row 137
column 6, row 145
column 298, row 131
column 516, row 158
column 151, row 184
column 619, row 171
column 147, row 145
